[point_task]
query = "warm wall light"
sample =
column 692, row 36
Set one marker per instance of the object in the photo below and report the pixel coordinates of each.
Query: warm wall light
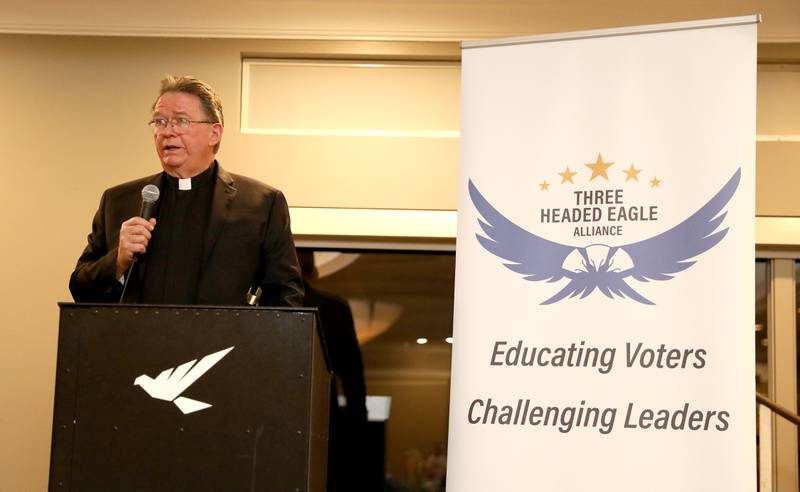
column 778, row 138
column 449, row 340
column 309, row 221
column 422, row 340
column 373, row 317
column 330, row 262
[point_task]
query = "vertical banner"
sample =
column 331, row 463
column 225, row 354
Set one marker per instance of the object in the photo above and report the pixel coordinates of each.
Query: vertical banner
column 604, row 303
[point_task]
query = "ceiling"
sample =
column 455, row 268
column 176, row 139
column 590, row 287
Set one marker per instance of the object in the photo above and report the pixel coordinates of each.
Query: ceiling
column 442, row 20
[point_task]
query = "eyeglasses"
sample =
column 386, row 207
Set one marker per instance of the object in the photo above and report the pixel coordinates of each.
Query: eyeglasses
column 179, row 125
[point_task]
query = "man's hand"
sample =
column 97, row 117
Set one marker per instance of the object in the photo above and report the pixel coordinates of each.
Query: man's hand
column 134, row 235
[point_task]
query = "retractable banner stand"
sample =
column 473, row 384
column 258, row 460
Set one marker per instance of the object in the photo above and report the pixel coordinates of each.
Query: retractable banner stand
column 604, row 277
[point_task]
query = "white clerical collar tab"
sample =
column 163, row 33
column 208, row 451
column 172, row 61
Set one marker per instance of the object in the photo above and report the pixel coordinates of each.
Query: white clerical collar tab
column 184, row 183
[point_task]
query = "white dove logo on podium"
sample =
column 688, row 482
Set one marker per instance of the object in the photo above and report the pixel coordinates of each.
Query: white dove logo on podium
column 172, row 382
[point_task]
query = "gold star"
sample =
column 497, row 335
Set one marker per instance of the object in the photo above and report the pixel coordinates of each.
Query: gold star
column 599, row 168
column 655, row 183
column 544, row 186
column 567, row 176
column 632, row 174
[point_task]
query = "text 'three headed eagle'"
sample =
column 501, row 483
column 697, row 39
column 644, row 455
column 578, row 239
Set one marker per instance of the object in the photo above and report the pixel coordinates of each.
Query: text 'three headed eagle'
column 599, row 266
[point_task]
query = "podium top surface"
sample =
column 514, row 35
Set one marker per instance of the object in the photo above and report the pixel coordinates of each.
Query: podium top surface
column 84, row 305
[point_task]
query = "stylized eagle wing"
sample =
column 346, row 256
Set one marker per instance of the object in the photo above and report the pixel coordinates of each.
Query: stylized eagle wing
column 170, row 383
column 183, row 377
column 671, row 251
column 530, row 255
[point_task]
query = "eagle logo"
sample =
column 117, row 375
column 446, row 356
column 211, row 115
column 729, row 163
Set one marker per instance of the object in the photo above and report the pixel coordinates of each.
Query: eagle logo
column 600, row 266
column 171, row 383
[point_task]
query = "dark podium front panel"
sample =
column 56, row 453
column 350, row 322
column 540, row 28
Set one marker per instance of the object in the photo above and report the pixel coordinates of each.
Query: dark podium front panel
column 189, row 398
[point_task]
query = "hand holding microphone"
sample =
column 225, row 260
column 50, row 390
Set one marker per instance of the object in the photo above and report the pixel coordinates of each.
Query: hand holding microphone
column 136, row 232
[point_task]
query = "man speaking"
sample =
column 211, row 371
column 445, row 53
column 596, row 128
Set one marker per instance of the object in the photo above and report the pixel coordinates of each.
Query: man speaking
column 213, row 235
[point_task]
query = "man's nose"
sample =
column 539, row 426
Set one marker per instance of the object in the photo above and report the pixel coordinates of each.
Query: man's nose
column 170, row 128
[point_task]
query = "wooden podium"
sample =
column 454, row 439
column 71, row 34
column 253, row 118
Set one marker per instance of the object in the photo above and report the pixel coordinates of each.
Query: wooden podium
column 167, row 398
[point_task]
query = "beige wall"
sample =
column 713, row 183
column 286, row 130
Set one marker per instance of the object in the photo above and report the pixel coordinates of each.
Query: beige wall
column 777, row 178
column 74, row 123
column 778, row 115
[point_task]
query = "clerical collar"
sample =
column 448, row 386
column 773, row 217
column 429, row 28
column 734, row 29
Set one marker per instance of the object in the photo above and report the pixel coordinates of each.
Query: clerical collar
column 195, row 182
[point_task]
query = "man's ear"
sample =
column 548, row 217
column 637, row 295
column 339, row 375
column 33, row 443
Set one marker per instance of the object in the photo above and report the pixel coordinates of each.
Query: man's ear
column 216, row 134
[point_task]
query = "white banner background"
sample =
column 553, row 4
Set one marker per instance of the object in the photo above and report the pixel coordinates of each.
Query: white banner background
column 679, row 105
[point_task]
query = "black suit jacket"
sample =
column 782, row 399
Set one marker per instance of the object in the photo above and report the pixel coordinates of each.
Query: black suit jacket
column 339, row 332
column 248, row 243
column 346, row 443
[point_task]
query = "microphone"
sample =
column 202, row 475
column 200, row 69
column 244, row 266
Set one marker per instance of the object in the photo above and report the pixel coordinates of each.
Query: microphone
column 150, row 194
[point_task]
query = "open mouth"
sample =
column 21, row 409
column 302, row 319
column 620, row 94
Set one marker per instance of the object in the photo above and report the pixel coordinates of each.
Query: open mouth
column 170, row 148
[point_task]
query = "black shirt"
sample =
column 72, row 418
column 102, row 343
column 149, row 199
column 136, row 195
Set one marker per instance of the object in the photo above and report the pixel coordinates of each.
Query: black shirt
column 175, row 252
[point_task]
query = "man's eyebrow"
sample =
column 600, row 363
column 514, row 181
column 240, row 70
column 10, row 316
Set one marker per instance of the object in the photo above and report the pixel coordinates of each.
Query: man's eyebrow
column 176, row 113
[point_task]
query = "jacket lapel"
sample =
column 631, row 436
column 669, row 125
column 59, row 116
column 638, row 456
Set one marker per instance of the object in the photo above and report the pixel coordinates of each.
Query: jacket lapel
column 224, row 192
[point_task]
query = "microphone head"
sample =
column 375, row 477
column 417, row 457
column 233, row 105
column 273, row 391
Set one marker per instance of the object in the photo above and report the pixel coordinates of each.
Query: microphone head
column 150, row 196
column 150, row 193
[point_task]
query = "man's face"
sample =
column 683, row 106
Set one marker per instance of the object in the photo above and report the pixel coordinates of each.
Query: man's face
column 185, row 152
